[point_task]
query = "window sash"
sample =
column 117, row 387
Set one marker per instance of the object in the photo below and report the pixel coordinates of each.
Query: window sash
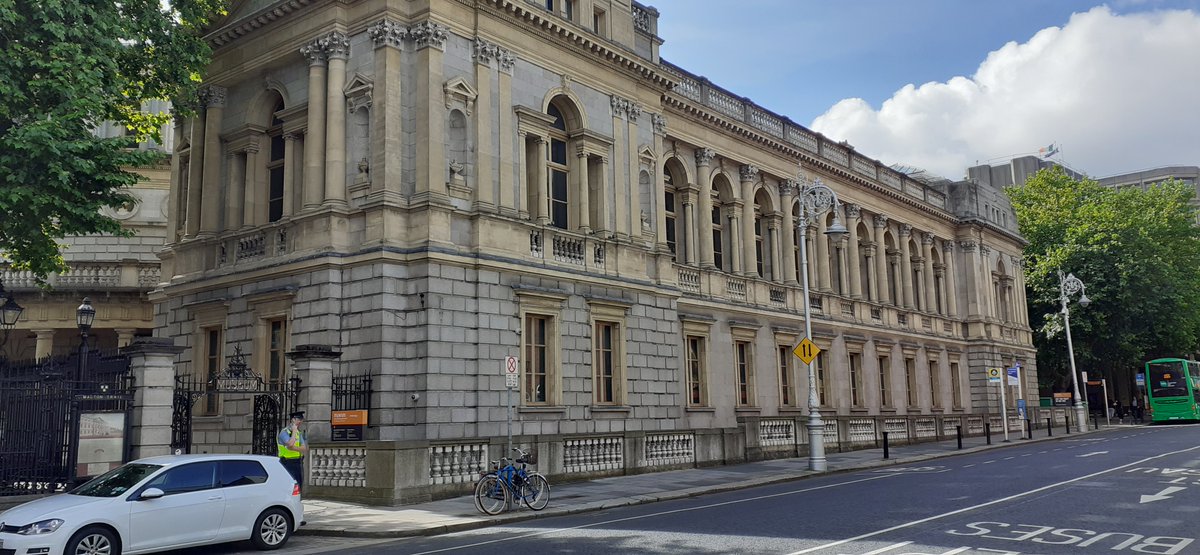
column 606, row 369
column 744, row 369
column 536, row 365
column 787, row 386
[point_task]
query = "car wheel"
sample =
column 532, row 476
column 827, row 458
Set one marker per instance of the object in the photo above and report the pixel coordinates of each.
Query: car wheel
column 272, row 529
column 93, row 541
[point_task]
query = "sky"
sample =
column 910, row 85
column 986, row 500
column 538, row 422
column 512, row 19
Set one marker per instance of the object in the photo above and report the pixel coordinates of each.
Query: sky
column 943, row 85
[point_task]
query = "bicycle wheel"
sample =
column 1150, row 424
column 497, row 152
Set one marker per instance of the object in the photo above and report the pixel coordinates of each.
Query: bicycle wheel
column 535, row 492
column 475, row 498
column 491, row 497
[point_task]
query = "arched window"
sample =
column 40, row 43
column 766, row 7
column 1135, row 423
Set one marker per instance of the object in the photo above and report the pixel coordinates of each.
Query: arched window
column 669, row 203
column 763, row 246
column 722, row 213
column 796, row 231
column 718, row 232
column 275, row 162
column 557, row 170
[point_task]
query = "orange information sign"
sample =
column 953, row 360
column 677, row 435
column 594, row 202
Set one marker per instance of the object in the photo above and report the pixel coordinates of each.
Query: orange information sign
column 348, row 425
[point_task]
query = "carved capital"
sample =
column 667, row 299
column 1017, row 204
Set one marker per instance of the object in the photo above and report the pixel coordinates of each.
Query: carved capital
column 633, row 111
column 291, row 136
column 985, row 250
column 388, row 33
column 704, row 156
column 336, row 45
column 968, row 245
column 507, row 60
column 485, row 51
column 660, row 123
column 313, row 53
column 748, row 172
column 853, row 211
column 787, row 186
column 881, row 221
column 947, row 247
column 213, row 96
column 905, row 230
column 926, row 238
column 429, row 34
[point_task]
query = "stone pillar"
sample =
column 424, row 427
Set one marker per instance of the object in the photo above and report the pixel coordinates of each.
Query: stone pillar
column 971, row 270
column 289, row 172
column 235, row 205
column 195, row 178
column 927, row 254
column 485, row 125
column 704, row 157
column 430, row 38
column 210, row 212
column 987, row 298
column 314, row 137
column 659, row 124
column 853, row 212
column 175, row 204
column 386, row 94
column 313, row 364
column 583, row 219
column 749, row 176
column 629, row 213
column 786, row 189
column 839, row 246
column 813, row 264
column 152, row 365
column 736, row 248
column 45, row 343
column 605, row 185
column 125, row 336
column 951, row 282
column 255, row 192
column 688, row 237
column 882, row 294
column 542, row 179
column 510, row 202
column 869, row 254
column 337, row 49
column 906, row 265
column 772, row 249
column 823, row 262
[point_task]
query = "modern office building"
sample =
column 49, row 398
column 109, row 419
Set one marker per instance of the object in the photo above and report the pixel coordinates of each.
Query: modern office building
column 429, row 187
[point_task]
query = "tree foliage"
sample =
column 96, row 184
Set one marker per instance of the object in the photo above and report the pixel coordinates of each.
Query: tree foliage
column 1138, row 254
column 66, row 66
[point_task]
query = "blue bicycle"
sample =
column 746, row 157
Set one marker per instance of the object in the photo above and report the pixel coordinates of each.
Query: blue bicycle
column 508, row 481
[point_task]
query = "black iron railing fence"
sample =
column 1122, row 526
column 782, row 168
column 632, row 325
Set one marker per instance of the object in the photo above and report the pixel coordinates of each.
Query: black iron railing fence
column 352, row 392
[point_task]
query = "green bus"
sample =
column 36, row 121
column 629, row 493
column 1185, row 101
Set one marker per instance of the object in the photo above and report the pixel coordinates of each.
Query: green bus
column 1174, row 388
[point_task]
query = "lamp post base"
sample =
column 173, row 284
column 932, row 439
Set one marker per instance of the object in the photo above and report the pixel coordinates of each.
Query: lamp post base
column 1081, row 418
column 816, row 443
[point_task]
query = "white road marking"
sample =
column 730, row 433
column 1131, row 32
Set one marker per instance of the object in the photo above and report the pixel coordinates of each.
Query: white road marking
column 652, row 515
column 1092, row 454
column 1164, row 494
column 987, row 504
column 884, row 549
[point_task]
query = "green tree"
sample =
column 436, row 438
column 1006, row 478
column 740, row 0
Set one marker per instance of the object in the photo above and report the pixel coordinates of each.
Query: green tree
column 1137, row 252
column 66, row 66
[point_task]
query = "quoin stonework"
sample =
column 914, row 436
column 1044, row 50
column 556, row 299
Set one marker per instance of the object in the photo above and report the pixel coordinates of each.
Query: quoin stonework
column 426, row 187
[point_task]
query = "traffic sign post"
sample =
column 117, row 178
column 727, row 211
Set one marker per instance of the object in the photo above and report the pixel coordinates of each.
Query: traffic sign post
column 512, row 373
column 806, row 351
column 994, row 376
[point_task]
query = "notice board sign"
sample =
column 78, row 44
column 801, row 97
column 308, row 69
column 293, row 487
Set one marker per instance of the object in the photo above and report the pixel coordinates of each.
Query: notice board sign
column 348, row 425
column 1062, row 399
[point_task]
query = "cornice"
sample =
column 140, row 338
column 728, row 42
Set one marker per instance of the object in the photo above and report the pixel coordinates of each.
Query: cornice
column 234, row 30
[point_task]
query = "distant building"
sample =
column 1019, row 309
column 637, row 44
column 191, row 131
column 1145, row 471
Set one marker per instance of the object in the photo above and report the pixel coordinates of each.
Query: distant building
column 1144, row 179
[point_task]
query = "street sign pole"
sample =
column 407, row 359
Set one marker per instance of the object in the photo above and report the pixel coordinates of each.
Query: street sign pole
column 1020, row 387
column 1107, row 412
column 1004, row 407
column 511, row 371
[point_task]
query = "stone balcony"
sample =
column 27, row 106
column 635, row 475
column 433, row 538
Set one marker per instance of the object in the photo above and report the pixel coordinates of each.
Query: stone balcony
column 90, row 276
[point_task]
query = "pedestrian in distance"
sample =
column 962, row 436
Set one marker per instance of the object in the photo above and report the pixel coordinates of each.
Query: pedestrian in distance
column 293, row 446
column 1136, row 405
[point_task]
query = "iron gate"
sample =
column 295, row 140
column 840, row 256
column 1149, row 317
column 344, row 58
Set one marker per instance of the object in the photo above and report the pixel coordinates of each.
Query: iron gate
column 55, row 430
column 272, row 403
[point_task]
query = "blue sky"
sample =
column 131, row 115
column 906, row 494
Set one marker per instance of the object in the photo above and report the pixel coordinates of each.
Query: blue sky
column 945, row 84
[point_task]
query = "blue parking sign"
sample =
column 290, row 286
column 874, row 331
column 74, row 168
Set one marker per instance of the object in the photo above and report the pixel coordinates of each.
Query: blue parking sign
column 1021, row 408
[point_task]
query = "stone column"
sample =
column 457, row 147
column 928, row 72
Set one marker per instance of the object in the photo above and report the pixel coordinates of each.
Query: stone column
column 605, row 185
column 289, row 172
column 485, row 122
column 704, row 157
column 853, row 213
column 688, row 237
column 620, row 161
column 987, row 299
column 210, row 212
column 869, row 253
column 772, row 247
column 386, row 94
column 813, row 263
column 45, row 343
column 749, row 176
column 152, row 365
column 659, row 124
column 927, row 254
column 313, row 364
column 543, row 208
column 630, row 216
column 786, row 189
column 337, row 49
column 314, row 137
column 882, row 294
column 235, row 205
column 736, row 249
column 839, row 248
column 125, row 336
column 823, row 262
column 195, row 179
column 906, row 265
column 175, row 206
column 951, row 282
column 510, row 202
column 584, row 217
column 971, row 271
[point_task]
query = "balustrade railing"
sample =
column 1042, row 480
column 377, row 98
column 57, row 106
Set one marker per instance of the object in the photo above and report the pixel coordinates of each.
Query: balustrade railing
column 456, row 464
column 593, row 454
column 736, row 288
column 778, row 296
column 776, row 431
column 670, row 449
column 689, row 280
column 343, row 467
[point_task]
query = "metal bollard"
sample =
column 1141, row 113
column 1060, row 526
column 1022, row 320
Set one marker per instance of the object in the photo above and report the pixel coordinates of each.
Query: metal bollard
column 987, row 431
column 1028, row 430
column 1067, row 419
column 958, row 434
column 885, row 445
column 1049, row 427
column 1095, row 422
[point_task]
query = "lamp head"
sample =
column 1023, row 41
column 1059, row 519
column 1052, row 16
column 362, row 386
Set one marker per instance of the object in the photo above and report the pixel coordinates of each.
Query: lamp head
column 1084, row 301
column 10, row 312
column 836, row 229
column 85, row 314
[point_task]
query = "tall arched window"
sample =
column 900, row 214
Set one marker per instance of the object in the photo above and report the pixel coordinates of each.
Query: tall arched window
column 669, row 203
column 275, row 162
column 557, row 169
column 796, row 231
column 718, row 232
column 722, row 213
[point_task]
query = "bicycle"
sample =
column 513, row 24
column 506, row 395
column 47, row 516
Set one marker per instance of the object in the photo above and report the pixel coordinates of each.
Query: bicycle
column 498, row 487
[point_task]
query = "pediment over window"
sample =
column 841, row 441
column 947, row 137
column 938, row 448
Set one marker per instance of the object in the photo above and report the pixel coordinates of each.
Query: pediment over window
column 358, row 92
column 458, row 90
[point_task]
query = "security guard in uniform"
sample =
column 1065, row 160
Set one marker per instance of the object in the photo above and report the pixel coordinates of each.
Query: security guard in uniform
column 292, row 447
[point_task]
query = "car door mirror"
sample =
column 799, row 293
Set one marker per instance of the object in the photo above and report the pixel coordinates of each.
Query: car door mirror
column 151, row 493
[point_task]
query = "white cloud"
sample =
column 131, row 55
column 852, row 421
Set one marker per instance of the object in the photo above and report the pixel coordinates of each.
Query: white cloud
column 1117, row 92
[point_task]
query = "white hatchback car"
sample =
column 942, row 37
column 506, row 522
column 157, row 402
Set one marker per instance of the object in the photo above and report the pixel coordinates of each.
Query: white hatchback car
column 161, row 503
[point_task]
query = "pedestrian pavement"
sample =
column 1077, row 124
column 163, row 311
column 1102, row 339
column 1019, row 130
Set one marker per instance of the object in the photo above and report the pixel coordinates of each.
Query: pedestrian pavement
column 335, row 518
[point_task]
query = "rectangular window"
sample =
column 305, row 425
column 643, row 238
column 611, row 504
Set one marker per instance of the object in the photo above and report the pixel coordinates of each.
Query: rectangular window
column 745, row 373
column 569, row 9
column 787, row 387
column 537, row 367
column 607, row 377
column 212, row 367
column 697, row 388
column 277, row 351
column 275, row 179
column 956, row 385
column 718, row 247
column 935, row 384
column 910, row 380
column 550, row 6
column 669, row 208
column 885, row 399
column 599, row 23
column 822, row 384
column 758, row 248
column 856, row 379
column 557, row 181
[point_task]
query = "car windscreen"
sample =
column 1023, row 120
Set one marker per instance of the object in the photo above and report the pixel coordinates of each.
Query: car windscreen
column 116, row 481
column 1166, row 379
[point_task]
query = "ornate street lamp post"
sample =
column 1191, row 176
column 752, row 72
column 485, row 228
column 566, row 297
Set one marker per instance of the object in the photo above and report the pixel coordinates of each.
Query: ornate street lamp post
column 1069, row 285
column 84, row 316
column 816, row 199
column 10, row 311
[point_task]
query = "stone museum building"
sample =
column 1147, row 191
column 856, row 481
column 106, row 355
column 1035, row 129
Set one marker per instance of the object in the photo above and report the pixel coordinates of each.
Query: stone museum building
column 411, row 191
